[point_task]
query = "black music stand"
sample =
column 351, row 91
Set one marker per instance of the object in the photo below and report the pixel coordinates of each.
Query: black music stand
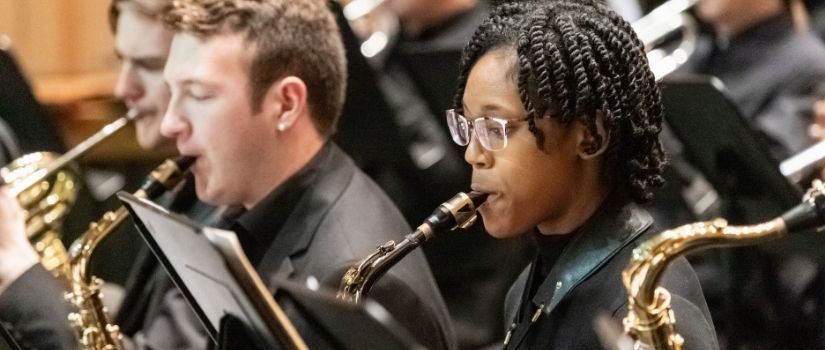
column 7, row 342
column 723, row 146
column 210, row 269
column 329, row 323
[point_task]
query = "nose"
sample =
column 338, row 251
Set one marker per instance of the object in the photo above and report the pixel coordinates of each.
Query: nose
column 476, row 155
column 129, row 86
column 174, row 124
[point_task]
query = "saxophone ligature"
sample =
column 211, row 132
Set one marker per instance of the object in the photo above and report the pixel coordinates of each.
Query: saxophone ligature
column 46, row 186
column 458, row 212
column 91, row 322
column 650, row 321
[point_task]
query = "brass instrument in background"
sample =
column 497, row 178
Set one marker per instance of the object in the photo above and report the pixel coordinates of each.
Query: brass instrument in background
column 46, row 187
column 662, row 24
column 91, row 321
column 458, row 212
column 650, row 320
column 804, row 163
column 372, row 22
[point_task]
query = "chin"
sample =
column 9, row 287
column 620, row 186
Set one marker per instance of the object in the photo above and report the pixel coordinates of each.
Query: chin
column 500, row 231
column 147, row 144
column 203, row 192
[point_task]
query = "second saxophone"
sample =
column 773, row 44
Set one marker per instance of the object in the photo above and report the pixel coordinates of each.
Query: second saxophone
column 91, row 322
column 458, row 212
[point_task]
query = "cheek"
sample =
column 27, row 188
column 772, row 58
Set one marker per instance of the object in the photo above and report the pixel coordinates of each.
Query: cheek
column 536, row 186
column 154, row 85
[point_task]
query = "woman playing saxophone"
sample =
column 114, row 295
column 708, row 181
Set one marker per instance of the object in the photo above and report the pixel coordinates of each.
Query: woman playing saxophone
column 561, row 114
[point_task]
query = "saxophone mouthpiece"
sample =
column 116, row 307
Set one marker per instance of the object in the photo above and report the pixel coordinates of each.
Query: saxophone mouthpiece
column 457, row 212
column 478, row 198
column 184, row 162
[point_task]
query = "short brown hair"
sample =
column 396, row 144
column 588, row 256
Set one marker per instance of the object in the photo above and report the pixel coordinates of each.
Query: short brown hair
column 154, row 9
column 290, row 37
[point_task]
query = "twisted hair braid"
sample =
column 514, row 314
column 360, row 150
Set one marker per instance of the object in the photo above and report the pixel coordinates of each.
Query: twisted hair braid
column 577, row 61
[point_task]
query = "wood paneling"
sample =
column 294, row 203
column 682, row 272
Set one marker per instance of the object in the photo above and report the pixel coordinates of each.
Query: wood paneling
column 61, row 43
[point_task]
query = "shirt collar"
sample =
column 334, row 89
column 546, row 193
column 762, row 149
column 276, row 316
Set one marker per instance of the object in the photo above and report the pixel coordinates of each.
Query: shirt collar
column 258, row 226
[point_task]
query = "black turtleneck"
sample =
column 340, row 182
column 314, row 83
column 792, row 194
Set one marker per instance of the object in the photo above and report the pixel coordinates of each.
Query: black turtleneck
column 548, row 251
column 549, row 248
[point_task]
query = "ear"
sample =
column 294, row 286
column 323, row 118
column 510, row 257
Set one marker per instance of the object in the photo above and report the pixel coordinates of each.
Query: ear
column 286, row 101
column 590, row 145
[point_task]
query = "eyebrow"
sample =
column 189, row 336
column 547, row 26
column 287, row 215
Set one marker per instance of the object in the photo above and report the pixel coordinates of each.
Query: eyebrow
column 143, row 60
column 485, row 108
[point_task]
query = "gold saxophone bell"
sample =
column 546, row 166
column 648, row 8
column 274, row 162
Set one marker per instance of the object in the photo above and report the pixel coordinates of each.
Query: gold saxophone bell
column 650, row 320
column 45, row 184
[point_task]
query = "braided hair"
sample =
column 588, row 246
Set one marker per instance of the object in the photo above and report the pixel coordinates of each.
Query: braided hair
column 578, row 61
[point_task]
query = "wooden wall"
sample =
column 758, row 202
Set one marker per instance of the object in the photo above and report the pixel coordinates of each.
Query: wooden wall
column 64, row 46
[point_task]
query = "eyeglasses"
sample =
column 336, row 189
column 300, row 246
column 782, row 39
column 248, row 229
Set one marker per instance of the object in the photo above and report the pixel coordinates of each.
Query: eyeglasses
column 490, row 131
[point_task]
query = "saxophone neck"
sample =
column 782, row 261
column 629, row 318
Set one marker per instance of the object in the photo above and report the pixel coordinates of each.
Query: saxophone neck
column 650, row 258
column 650, row 320
column 164, row 178
column 80, row 252
column 457, row 212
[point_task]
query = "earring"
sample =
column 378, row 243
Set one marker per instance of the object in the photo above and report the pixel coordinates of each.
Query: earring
column 281, row 126
column 593, row 145
column 591, row 148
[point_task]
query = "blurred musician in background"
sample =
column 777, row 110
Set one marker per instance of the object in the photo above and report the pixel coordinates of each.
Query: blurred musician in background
column 561, row 118
column 770, row 63
column 32, row 302
column 28, row 124
column 21, row 114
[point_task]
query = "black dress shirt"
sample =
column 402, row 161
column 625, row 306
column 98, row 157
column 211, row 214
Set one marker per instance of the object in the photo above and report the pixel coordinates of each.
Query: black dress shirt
column 257, row 228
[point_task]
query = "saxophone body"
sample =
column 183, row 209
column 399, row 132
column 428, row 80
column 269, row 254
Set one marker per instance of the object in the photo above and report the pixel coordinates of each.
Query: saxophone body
column 458, row 212
column 91, row 322
column 650, row 320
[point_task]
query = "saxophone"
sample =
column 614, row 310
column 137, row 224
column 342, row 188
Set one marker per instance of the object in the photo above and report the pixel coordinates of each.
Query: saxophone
column 91, row 321
column 458, row 212
column 650, row 319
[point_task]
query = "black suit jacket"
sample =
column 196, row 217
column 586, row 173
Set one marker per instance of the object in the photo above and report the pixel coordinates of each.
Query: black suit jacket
column 341, row 218
column 21, row 111
column 586, row 281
